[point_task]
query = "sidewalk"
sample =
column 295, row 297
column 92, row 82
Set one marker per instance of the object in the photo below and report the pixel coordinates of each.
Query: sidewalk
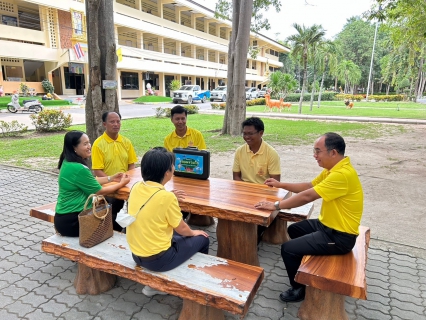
column 35, row 285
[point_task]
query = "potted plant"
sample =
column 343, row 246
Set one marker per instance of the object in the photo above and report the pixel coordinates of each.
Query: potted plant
column 174, row 85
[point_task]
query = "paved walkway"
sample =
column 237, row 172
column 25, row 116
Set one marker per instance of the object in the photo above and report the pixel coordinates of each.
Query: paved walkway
column 35, row 285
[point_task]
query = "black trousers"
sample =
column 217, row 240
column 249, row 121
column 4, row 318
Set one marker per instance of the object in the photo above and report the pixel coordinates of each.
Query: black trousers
column 116, row 205
column 311, row 237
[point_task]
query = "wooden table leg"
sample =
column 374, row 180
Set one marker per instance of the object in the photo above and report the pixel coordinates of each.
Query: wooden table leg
column 322, row 305
column 200, row 220
column 92, row 281
column 242, row 236
column 192, row 310
column 276, row 232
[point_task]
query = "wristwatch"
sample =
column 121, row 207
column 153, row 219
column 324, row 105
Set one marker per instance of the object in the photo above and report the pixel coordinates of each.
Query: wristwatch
column 277, row 205
column 109, row 178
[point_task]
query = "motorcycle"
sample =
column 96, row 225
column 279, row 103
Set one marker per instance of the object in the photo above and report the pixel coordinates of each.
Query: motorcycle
column 28, row 105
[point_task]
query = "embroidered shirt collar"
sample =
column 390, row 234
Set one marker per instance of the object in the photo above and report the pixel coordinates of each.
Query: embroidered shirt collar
column 260, row 151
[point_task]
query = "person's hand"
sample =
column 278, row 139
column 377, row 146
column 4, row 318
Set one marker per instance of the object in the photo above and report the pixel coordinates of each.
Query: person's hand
column 180, row 194
column 271, row 182
column 125, row 179
column 265, row 205
column 117, row 177
column 200, row 233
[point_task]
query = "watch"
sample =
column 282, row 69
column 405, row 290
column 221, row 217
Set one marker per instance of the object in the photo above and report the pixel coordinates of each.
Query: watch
column 109, row 178
column 277, row 205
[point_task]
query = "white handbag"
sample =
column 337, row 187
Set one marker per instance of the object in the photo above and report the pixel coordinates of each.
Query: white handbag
column 124, row 219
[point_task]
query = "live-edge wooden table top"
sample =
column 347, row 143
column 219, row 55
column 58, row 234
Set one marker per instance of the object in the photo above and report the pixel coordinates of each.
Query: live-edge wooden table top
column 220, row 198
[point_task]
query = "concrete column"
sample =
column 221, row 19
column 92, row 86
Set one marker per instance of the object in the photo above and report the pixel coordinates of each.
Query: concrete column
column 162, row 84
column 178, row 10
column 139, row 39
column 161, row 44
column 116, row 34
column 193, row 51
column 206, row 83
column 206, row 54
column 141, row 87
column 160, row 9
column 206, row 26
column 178, row 48
column 138, row 5
column 216, row 56
column 1, row 76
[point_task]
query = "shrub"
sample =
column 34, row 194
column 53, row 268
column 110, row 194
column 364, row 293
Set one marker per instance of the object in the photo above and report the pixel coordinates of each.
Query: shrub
column 51, row 120
column 192, row 109
column 159, row 112
column 215, row 106
column 325, row 96
column 24, row 89
column 12, row 129
column 47, row 86
column 168, row 112
column 222, row 106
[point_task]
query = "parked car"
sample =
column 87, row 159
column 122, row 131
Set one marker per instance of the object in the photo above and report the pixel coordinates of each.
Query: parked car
column 190, row 93
column 262, row 92
column 251, row 93
column 218, row 94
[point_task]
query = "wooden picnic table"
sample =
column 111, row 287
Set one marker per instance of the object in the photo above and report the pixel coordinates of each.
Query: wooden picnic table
column 231, row 202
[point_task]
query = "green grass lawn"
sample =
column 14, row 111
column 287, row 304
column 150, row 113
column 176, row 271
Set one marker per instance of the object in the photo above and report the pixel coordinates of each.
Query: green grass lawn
column 409, row 110
column 42, row 150
column 47, row 103
column 151, row 99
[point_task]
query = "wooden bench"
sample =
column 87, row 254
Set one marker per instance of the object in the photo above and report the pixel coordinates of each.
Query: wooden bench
column 208, row 285
column 45, row 212
column 277, row 231
column 330, row 278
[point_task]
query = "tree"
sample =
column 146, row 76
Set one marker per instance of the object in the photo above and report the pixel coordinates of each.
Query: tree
column 102, row 64
column 282, row 83
column 350, row 72
column 327, row 53
column 301, row 42
column 242, row 14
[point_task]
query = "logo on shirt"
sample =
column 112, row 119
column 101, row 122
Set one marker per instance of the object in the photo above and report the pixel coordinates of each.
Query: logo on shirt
column 190, row 143
column 261, row 172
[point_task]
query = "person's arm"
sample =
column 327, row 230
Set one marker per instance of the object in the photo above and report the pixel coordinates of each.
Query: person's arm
column 99, row 173
column 236, row 176
column 295, row 201
column 125, row 179
column 184, row 230
column 293, row 187
column 276, row 177
column 131, row 166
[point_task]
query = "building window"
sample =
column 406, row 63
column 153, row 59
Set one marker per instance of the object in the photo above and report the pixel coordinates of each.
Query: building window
column 129, row 81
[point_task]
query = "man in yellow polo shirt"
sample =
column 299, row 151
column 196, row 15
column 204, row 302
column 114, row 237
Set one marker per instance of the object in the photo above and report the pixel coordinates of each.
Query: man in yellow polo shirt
column 336, row 229
column 112, row 153
column 183, row 136
column 255, row 161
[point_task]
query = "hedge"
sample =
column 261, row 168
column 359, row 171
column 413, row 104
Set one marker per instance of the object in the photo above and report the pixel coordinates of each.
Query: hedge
column 375, row 97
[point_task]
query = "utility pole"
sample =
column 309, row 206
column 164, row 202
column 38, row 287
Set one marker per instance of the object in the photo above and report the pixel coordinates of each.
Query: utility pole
column 372, row 58
column 102, row 64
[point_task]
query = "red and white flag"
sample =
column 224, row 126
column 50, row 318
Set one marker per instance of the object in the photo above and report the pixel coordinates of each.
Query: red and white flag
column 78, row 51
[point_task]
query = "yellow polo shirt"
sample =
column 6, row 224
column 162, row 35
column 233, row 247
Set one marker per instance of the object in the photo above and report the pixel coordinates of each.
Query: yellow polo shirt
column 192, row 138
column 112, row 156
column 342, row 197
column 259, row 166
column 152, row 231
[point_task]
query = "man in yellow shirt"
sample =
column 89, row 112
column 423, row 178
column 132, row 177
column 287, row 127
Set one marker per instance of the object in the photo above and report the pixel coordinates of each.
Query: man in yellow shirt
column 183, row 136
column 112, row 153
column 255, row 161
column 336, row 229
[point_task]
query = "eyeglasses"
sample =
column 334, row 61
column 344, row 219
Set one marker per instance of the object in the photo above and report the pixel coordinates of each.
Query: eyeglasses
column 249, row 134
column 318, row 151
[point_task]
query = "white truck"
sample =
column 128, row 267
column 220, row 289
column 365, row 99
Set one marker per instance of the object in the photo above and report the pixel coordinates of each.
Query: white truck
column 190, row 93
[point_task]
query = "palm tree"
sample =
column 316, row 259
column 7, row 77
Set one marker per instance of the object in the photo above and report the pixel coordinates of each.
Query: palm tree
column 301, row 42
column 350, row 72
column 282, row 83
column 328, row 54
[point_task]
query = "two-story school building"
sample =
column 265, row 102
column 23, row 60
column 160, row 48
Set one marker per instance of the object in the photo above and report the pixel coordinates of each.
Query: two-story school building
column 159, row 40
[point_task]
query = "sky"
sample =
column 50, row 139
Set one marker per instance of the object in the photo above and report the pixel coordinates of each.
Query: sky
column 331, row 14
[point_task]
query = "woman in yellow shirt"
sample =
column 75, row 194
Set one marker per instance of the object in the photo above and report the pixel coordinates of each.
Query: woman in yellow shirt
column 159, row 239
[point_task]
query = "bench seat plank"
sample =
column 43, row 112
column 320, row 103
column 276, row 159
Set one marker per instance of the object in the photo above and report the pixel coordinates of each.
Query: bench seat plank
column 45, row 212
column 341, row 274
column 296, row 214
column 204, row 279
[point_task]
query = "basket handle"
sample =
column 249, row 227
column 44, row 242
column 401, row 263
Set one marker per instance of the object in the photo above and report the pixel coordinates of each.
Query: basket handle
column 97, row 198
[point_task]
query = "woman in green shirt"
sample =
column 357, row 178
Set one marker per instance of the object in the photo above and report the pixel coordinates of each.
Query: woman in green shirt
column 76, row 182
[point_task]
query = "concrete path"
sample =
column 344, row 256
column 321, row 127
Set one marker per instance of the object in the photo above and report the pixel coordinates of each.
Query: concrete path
column 35, row 285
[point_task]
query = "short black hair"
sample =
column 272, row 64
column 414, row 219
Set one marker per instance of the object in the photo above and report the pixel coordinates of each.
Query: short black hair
column 335, row 141
column 178, row 110
column 71, row 140
column 256, row 122
column 155, row 163
column 106, row 113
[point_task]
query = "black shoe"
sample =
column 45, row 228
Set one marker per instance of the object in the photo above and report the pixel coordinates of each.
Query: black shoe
column 293, row 295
